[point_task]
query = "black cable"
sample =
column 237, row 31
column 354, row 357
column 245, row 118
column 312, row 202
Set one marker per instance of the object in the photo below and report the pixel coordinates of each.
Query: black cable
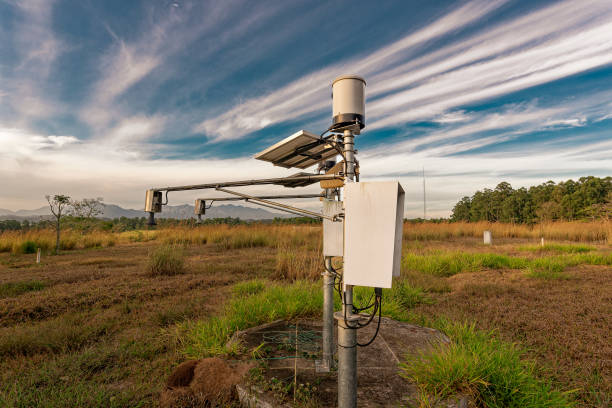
column 361, row 325
column 361, row 309
column 377, row 326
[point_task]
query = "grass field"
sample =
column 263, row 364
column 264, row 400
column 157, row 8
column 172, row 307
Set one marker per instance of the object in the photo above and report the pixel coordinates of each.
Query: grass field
column 104, row 322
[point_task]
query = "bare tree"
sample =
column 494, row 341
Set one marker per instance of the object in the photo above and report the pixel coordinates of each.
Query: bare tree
column 58, row 204
column 87, row 207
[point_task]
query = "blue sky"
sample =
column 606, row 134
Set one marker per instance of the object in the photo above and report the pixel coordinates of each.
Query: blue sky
column 108, row 98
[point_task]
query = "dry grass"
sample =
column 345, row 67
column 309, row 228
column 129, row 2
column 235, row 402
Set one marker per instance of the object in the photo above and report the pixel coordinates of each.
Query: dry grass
column 297, row 263
column 579, row 231
column 18, row 242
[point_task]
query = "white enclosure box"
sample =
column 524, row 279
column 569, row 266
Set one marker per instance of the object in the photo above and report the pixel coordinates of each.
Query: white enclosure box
column 373, row 227
column 333, row 231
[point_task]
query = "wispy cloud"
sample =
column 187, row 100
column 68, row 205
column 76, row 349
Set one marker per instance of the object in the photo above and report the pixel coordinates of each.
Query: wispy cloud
column 37, row 48
column 308, row 94
column 406, row 86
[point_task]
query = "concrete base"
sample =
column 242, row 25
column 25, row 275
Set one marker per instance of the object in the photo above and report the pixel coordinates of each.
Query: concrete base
column 379, row 382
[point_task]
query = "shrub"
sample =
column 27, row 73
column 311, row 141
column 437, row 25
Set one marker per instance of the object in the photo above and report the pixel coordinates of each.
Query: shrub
column 166, row 260
column 28, row 247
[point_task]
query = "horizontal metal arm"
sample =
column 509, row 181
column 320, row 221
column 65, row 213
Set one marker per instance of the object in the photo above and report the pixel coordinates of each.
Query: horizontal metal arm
column 279, row 180
column 279, row 197
column 283, row 209
column 277, row 205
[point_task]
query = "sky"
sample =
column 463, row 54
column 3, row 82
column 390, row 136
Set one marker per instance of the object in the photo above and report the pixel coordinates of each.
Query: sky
column 109, row 98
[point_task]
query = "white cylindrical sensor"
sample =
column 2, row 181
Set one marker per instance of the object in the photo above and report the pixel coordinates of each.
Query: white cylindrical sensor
column 348, row 93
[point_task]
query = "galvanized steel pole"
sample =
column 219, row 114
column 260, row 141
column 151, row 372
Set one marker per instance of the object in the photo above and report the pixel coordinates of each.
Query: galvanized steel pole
column 347, row 335
column 327, row 360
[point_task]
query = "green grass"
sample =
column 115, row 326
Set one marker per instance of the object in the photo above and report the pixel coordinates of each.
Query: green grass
column 275, row 301
column 251, row 287
column 396, row 302
column 452, row 263
column 569, row 249
column 492, row 372
column 12, row 289
column 256, row 302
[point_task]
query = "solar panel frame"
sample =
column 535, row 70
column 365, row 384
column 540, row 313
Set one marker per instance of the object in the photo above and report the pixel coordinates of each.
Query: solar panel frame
column 300, row 150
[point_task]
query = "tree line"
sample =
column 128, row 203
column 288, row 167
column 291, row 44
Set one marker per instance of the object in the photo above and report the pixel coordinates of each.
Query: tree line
column 588, row 198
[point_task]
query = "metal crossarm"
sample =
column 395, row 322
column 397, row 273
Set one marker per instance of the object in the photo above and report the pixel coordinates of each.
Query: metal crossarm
column 277, row 197
column 276, row 205
column 300, row 180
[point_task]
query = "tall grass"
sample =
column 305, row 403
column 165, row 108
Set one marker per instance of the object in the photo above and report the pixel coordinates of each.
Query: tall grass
column 492, row 372
column 20, row 242
column 579, row 231
column 166, row 260
column 297, row 263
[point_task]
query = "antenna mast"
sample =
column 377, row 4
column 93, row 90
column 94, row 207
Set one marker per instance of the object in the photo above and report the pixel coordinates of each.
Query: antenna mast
column 424, row 197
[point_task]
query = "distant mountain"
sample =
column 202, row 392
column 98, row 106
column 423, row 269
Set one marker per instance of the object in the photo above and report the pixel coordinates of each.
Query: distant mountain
column 184, row 211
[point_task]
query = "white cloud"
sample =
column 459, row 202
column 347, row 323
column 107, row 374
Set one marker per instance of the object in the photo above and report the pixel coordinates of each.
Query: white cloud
column 134, row 129
column 32, row 165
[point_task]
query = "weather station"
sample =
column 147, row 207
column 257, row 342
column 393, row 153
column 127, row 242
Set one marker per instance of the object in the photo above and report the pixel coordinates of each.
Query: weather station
column 362, row 223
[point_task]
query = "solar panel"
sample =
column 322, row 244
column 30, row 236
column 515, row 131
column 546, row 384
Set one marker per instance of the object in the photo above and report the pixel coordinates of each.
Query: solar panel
column 302, row 150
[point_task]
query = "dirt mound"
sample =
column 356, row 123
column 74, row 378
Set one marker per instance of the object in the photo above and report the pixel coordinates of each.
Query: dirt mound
column 182, row 375
column 210, row 382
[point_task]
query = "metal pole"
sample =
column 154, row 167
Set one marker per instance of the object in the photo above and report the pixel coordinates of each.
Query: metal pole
column 327, row 360
column 347, row 336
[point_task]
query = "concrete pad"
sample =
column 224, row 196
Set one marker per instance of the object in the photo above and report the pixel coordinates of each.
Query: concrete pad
column 276, row 345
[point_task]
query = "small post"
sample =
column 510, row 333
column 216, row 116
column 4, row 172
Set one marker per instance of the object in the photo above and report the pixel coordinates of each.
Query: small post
column 542, row 241
column 488, row 239
column 38, row 256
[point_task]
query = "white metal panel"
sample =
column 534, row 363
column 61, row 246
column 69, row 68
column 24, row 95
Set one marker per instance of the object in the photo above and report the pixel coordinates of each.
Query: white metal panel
column 373, row 226
column 333, row 231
